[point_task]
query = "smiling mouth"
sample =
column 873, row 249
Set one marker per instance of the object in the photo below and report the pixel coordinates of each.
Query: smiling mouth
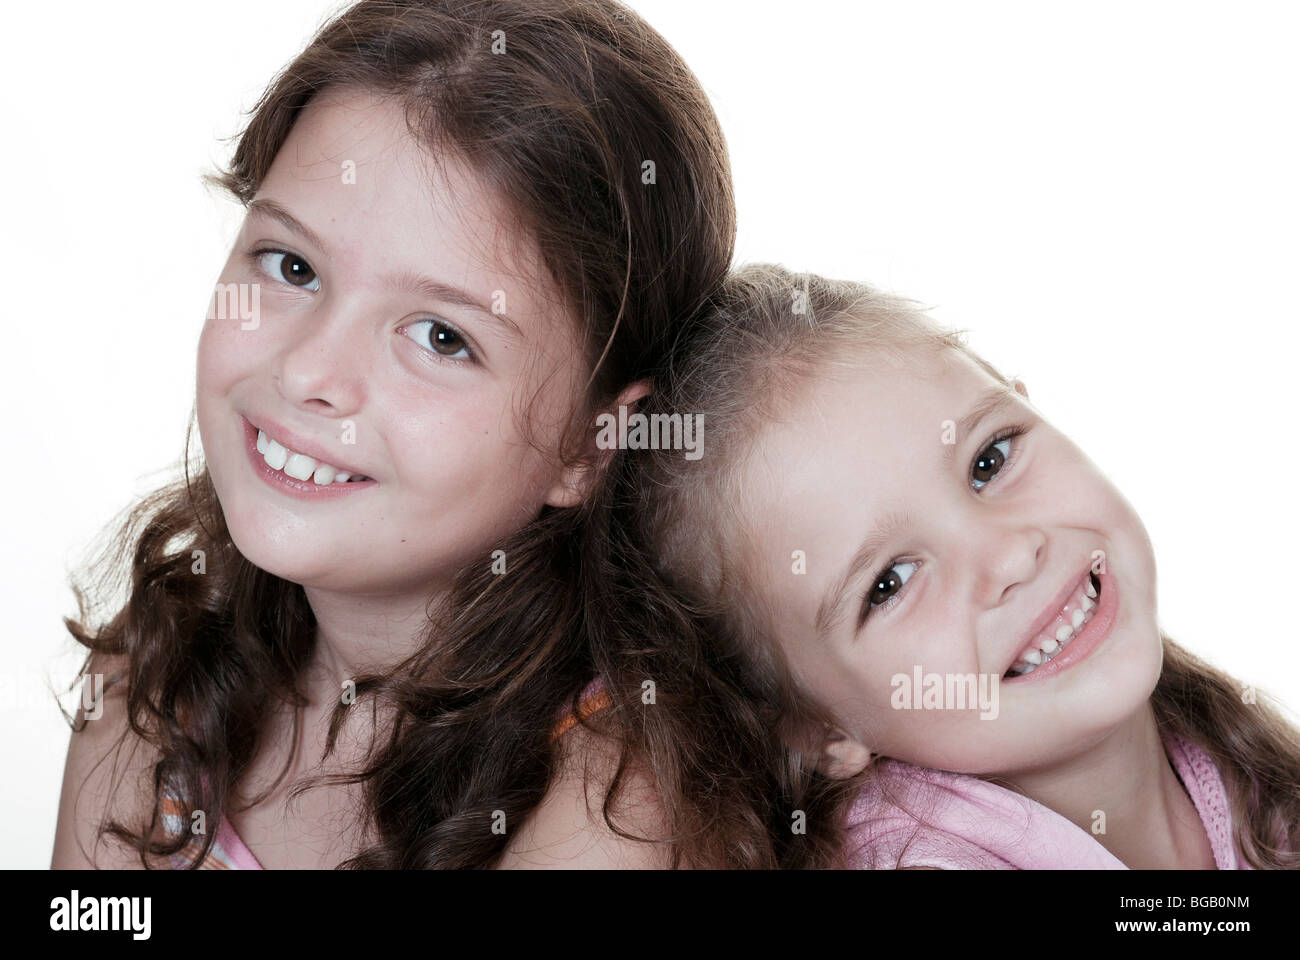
column 300, row 466
column 1051, row 642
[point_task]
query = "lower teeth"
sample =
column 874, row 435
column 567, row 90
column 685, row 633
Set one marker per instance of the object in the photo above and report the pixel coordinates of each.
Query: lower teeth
column 1048, row 658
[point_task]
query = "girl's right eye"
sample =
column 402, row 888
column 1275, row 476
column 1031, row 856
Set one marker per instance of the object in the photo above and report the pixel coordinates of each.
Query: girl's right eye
column 292, row 269
column 886, row 586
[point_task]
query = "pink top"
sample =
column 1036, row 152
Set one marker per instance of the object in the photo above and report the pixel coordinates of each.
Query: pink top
column 979, row 825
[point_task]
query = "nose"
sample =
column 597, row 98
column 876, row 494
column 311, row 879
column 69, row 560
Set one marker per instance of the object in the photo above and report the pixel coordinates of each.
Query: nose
column 323, row 366
column 1005, row 558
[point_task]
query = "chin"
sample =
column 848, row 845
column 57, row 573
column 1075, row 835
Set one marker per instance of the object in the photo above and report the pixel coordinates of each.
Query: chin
column 276, row 559
column 1120, row 685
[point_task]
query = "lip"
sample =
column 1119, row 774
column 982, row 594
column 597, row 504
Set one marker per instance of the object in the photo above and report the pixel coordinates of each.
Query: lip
column 1085, row 641
column 300, row 444
column 281, row 481
column 1048, row 615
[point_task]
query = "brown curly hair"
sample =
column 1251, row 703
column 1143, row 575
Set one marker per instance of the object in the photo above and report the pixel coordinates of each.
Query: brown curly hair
column 560, row 127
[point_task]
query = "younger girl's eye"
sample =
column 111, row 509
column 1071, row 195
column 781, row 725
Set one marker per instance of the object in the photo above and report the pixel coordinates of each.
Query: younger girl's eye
column 993, row 458
column 885, row 588
column 292, row 269
column 441, row 338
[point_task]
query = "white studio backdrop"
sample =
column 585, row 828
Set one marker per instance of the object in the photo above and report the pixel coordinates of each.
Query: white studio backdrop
column 1103, row 194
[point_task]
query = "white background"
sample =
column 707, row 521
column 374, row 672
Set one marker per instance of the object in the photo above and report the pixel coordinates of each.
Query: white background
column 1104, row 194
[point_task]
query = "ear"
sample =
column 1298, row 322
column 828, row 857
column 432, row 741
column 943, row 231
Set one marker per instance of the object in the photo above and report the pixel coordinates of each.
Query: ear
column 842, row 756
column 1021, row 388
column 577, row 478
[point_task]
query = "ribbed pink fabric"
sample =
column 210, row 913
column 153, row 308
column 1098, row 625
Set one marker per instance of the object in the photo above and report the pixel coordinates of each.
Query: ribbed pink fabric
column 977, row 825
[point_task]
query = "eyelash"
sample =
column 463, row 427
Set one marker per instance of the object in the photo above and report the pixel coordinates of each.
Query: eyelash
column 1011, row 433
column 255, row 258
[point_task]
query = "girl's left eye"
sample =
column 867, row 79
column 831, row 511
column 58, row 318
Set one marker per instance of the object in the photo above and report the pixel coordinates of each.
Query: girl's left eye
column 292, row 269
column 442, row 338
column 993, row 458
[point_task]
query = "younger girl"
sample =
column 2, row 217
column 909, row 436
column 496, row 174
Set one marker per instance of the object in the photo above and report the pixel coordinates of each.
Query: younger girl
column 941, row 608
column 471, row 227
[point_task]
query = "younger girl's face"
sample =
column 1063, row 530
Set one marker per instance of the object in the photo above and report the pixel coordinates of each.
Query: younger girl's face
column 937, row 544
column 389, row 327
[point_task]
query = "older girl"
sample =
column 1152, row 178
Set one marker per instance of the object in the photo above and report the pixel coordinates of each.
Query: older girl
column 471, row 227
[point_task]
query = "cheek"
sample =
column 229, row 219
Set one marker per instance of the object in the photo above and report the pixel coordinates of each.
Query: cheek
column 224, row 353
column 1128, row 525
column 871, row 683
column 1088, row 489
column 936, row 639
column 470, row 451
column 1105, row 509
column 206, row 362
column 214, row 376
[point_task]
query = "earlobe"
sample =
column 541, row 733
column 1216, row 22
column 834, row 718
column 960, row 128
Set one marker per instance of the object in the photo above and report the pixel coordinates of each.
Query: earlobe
column 572, row 487
column 842, row 756
column 578, row 478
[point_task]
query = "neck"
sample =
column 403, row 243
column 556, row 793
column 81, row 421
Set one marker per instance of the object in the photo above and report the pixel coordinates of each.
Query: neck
column 1150, row 821
column 358, row 634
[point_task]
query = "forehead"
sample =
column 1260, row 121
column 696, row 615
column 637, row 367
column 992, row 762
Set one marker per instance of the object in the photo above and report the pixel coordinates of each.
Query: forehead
column 351, row 171
column 872, row 410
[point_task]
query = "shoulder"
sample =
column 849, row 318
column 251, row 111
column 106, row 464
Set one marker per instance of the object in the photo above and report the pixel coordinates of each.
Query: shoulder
column 568, row 830
column 108, row 775
column 913, row 818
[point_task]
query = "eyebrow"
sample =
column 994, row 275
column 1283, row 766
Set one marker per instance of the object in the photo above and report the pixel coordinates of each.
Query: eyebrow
column 405, row 280
column 988, row 404
column 866, row 556
column 275, row 211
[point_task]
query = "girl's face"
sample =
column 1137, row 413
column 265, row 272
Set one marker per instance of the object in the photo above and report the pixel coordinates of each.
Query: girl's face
column 393, row 329
column 867, row 479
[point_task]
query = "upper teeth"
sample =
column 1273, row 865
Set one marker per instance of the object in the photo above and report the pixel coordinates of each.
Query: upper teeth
column 299, row 465
column 1049, row 643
